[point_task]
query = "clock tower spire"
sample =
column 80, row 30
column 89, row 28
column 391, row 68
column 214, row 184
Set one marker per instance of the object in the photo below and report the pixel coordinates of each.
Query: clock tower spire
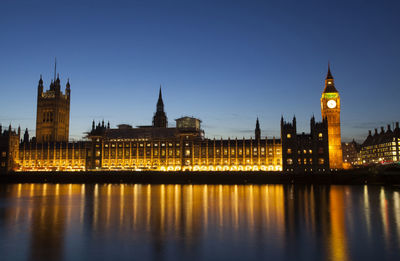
column 330, row 109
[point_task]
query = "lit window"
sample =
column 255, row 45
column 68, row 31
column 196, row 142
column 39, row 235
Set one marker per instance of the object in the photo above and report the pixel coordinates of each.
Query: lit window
column 289, row 161
column 289, row 151
column 4, row 154
column 288, row 136
column 321, row 161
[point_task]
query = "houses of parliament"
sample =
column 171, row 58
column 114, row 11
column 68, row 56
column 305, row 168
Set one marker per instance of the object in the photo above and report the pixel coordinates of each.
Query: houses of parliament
column 158, row 147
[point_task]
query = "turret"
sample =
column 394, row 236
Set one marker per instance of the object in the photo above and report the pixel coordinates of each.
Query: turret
column 40, row 87
column 68, row 89
column 26, row 136
column 312, row 124
column 294, row 122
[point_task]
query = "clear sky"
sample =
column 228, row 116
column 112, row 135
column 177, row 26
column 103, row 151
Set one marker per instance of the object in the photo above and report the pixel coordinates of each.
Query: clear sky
column 225, row 62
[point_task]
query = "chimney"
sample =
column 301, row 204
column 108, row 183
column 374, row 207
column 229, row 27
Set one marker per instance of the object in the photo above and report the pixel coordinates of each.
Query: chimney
column 397, row 125
column 369, row 133
column 376, row 131
column 382, row 129
column 388, row 128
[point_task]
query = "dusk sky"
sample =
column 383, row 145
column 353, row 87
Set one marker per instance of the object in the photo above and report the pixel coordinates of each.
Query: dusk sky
column 225, row 62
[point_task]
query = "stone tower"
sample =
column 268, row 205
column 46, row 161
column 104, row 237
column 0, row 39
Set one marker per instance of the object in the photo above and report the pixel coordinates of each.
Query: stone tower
column 160, row 118
column 52, row 118
column 330, row 109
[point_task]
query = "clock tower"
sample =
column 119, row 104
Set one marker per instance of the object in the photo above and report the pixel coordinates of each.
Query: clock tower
column 330, row 109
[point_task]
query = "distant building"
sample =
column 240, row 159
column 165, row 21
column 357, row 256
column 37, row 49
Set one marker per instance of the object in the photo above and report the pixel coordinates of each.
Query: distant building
column 9, row 146
column 382, row 147
column 305, row 152
column 351, row 154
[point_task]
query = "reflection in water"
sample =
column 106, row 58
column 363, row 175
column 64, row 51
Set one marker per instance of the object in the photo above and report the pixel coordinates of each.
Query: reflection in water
column 47, row 221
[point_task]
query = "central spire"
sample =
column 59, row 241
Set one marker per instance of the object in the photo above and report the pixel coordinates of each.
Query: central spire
column 160, row 118
column 160, row 103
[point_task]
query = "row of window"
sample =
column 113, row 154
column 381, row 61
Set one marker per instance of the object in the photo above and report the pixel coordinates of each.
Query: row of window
column 305, row 161
column 187, row 152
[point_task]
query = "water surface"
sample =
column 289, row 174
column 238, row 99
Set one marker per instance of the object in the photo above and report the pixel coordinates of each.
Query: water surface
column 199, row 222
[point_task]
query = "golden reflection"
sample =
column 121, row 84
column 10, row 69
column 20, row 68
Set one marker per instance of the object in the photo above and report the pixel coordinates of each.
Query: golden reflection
column 122, row 204
column 396, row 203
column 384, row 214
column 246, row 213
column 367, row 210
column 338, row 248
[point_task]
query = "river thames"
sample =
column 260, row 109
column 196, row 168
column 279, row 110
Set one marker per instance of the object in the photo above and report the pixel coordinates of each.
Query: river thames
column 198, row 222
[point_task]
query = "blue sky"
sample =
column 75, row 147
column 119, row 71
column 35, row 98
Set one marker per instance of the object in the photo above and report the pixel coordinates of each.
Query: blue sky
column 225, row 62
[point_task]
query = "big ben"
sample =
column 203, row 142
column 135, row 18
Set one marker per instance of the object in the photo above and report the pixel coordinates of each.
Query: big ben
column 330, row 109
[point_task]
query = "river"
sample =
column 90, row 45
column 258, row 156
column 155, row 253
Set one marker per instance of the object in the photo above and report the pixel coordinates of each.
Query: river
column 198, row 222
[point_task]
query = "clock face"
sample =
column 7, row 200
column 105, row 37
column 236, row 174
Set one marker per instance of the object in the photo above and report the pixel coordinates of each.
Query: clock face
column 331, row 104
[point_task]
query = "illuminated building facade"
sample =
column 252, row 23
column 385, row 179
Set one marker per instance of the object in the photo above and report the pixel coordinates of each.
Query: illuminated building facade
column 305, row 152
column 183, row 147
column 382, row 147
column 330, row 109
column 163, row 148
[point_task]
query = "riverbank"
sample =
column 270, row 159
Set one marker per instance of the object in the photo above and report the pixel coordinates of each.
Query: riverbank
column 354, row 177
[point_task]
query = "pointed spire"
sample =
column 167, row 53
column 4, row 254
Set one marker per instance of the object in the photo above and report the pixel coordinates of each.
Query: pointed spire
column 160, row 103
column 329, row 74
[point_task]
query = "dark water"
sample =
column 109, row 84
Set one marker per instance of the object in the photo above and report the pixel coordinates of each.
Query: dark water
column 199, row 222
